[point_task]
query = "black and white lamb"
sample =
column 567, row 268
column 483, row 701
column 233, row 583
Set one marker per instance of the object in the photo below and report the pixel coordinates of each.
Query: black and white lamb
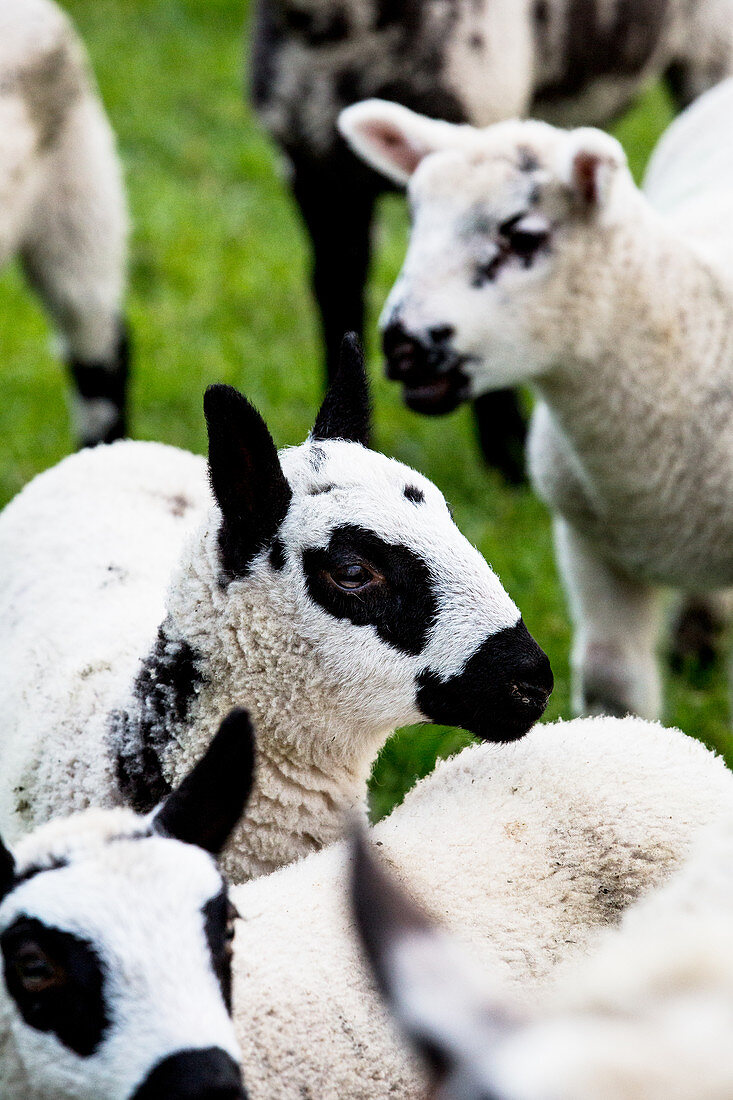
column 62, row 204
column 327, row 589
column 478, row 61
column 115, row 936
column 540, row 261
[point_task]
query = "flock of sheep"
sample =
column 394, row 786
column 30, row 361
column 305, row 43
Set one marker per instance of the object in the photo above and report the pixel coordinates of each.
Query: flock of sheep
column 228, row 644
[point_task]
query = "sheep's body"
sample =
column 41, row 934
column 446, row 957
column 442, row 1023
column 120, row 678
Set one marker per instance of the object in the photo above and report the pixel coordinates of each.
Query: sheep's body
column 570, row 61
column 621, row 317
column 129, row 631
column 62, row 205
column 524, row 851
column 650, row 1014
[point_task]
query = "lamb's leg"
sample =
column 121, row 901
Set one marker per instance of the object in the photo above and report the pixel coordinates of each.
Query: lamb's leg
column 616, row 622
column 705, row 56
column 74, row 255
column 698, row 629
column 336, row 198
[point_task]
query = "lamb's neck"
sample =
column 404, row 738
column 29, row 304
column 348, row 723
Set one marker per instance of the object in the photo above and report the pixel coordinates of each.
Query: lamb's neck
column 649, row 348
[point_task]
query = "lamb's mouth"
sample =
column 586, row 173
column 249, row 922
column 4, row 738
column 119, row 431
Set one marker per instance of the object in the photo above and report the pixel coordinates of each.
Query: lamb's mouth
column 438, row 396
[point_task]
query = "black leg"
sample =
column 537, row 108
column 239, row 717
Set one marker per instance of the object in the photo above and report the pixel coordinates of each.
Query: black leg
column 337, row 204
column 502, row 432
column 101, row 394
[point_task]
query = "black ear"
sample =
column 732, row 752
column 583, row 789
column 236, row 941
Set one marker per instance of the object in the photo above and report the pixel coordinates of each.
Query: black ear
column 246, row 477
column 346, row 412
column 7, row 869
column 211, row 799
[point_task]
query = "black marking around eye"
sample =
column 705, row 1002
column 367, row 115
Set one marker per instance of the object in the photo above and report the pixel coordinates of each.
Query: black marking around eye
column 75, row 1010
column 164, row 691
column 216, row 917
column 417, row 496
column 402, row 609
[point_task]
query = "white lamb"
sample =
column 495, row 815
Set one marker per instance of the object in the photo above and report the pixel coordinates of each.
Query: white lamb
column 115, row 936
column 62, row 204
column 526, row 851
column 534, row 258
column 648, row 1017
column 328, row 590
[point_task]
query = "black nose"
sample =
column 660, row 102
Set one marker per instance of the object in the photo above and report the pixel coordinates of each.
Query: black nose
column 194, row 1075
column 501, row 692
column 405, row 354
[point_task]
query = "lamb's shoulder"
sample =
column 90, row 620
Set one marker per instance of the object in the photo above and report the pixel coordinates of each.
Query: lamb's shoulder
column 86, row 554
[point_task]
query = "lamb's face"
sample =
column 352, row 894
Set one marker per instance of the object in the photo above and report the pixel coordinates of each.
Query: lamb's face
column 362, row 593
column 115, row 953
column 502, row 223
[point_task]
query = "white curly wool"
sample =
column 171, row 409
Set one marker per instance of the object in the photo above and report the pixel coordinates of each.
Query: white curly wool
column 62, row 204
column 527, row 852
column 123, row 646
column 533, row 248
column 650, row 1014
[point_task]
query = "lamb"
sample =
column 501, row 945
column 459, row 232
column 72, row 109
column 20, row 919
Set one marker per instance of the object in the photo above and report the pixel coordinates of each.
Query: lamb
column 528, row 852
column 571, row 61
column 649, row 1015
column 62, row 205
column 115, row 934
column 327, row 589
column 534, row 258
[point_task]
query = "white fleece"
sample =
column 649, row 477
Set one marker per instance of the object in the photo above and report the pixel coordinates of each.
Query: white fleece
column 650, row 1014
column 526, row 851
column 120, row 642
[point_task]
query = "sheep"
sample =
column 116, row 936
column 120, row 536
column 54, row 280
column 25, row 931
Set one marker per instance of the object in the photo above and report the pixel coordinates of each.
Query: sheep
column 62, row 205
column 115, row 935
column 649, row 1015
column 571, row 61
column 536, row 259
column 327, row 589
column 527, row 852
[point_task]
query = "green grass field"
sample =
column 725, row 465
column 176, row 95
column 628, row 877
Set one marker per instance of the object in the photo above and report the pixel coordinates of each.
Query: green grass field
column 219, row 293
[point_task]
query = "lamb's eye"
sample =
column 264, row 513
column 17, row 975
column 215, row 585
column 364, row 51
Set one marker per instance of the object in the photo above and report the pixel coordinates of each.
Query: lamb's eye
column 35, row 970
column 526, row 235
column 353, row 576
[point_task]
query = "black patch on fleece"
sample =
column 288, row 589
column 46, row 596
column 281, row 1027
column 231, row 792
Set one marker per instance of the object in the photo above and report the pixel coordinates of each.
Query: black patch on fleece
column 501, row 692
column 189, row 1074
column 73, row 1007
column 164, row 690
column 417, row 496
column 402, row 609
column 216, row 918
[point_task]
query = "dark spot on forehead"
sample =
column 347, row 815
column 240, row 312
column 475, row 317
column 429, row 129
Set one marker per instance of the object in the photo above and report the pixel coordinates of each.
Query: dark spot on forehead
column 528, row 161
column 541, row 12
column 316, row 458
column 476, row 41
column 401, row 606
column 73, row 1006
column 417, row 496
column 277, row 554
column 318, row 490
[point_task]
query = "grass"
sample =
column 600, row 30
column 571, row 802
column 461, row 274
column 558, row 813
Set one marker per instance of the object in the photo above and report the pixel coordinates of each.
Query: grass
column 219, row 293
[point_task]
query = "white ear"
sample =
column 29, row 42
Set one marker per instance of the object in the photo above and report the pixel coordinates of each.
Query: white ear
column 590, row 161
column 392, row 138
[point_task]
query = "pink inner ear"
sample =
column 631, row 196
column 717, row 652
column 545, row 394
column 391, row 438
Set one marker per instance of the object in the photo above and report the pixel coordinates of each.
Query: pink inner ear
column 392, row 143
column 586, row 168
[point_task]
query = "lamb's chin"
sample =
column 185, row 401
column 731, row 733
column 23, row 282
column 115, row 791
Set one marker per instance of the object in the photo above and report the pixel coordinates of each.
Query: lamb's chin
column 438, row 397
